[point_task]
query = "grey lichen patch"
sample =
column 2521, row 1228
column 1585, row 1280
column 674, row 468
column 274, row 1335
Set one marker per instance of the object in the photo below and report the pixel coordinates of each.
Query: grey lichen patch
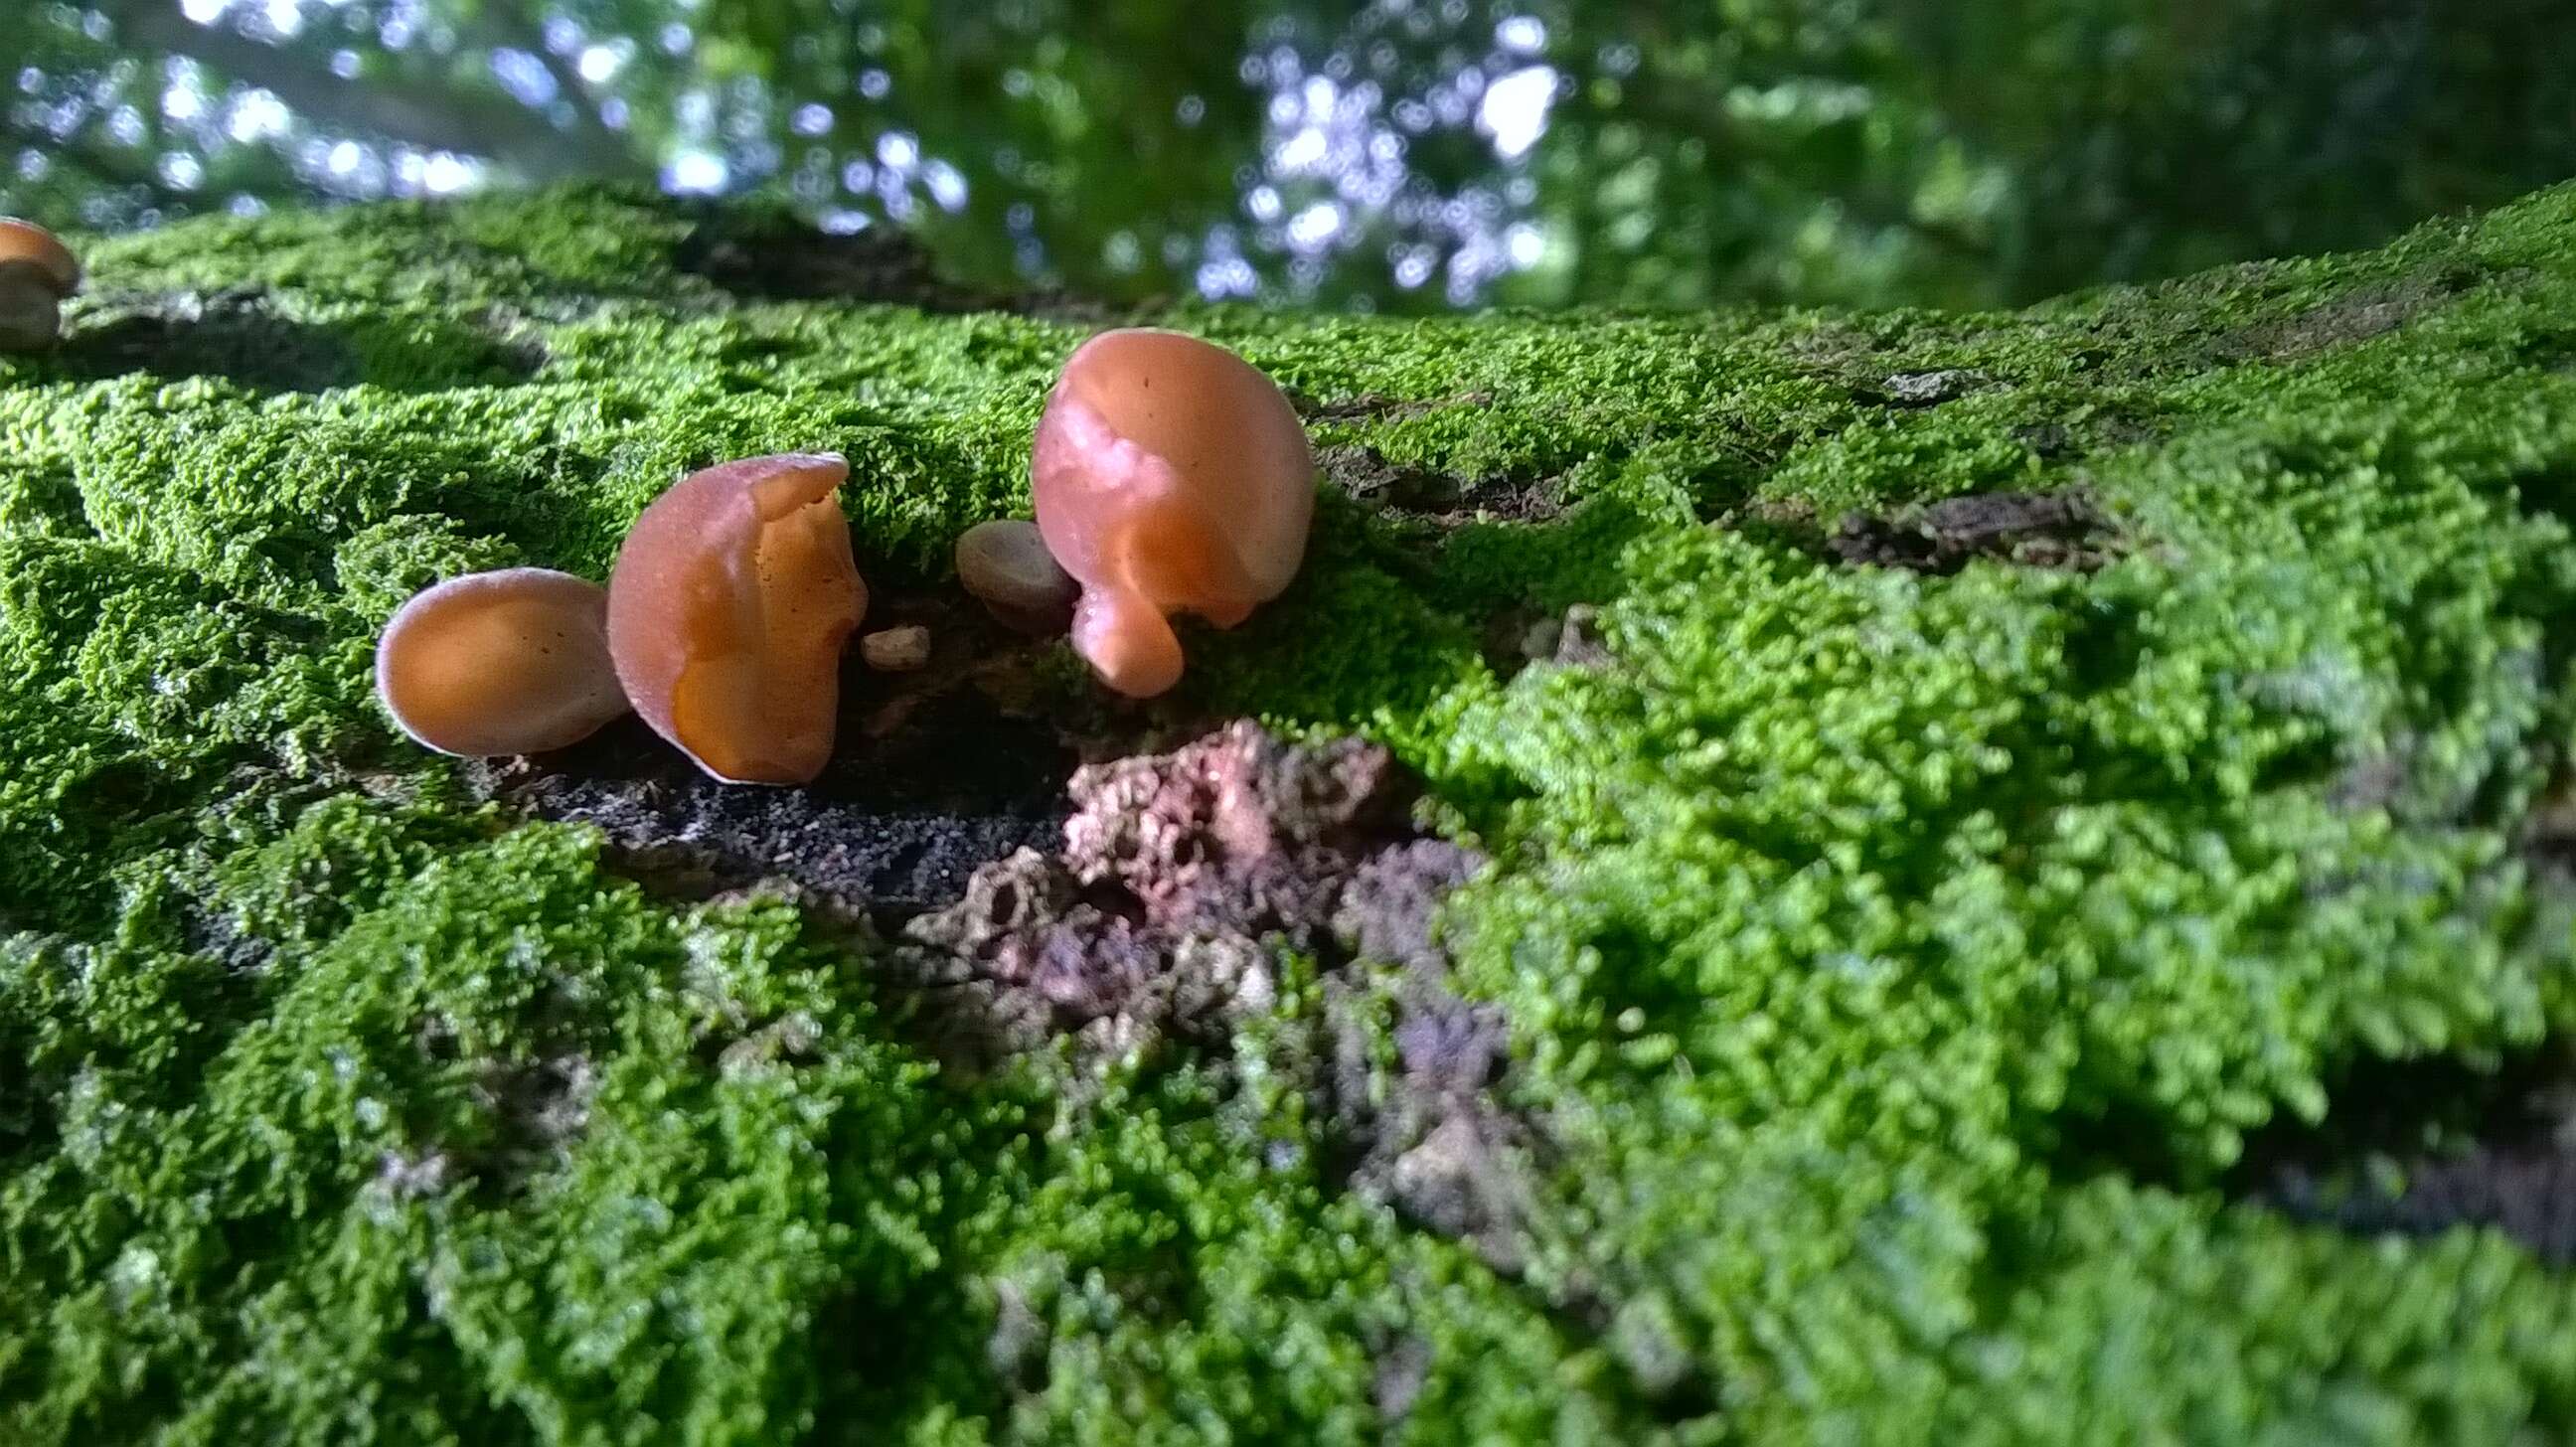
column 220, row 936
column 1402, row 1368
column 1015, row 1349
column 2363, row 313
column 1930, row 388
column 534, row 1108
column 1571, row 641
column 514, row 340
column 410, row 1177
column 1518, row 637
column 543, row 1106
column 790, row 1039
column 1427, row 1136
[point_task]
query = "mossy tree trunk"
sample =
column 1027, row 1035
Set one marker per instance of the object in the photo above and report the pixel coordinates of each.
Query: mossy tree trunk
column 1998, row 804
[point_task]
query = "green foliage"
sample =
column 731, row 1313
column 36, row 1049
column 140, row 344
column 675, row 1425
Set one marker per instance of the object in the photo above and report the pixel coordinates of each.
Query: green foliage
column 1895, row 964
column 1861, row 153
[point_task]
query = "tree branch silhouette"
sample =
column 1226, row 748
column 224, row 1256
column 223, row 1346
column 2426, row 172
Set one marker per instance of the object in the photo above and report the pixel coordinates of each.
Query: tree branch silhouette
column 105, row 165
column 431, row 117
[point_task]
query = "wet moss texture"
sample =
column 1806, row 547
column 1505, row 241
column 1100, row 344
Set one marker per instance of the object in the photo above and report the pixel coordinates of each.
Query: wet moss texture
column 1897, row 914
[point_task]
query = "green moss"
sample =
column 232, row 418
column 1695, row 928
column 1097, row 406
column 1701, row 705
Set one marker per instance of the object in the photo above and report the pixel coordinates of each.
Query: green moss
column 1895, row 964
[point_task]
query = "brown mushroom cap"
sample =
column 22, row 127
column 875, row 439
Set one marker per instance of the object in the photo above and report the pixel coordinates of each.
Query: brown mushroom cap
column 509, row 662
column 1170, row 476
column 36, row 273
column 728, row 610
column 26, row 243
column 1006, row 565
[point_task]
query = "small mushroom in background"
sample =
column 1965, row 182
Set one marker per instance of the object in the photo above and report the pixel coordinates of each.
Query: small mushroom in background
column 508, row 662
column 727, row 612
column 37, row 273
column 1006, row 565
column 1170, row 476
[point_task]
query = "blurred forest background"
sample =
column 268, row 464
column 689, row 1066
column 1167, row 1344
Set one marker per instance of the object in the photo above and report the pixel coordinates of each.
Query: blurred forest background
column 1393, row 155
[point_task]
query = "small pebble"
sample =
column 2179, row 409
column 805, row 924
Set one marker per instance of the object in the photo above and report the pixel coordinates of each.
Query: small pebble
column 896, row 650
column 1006, row 565
column 1574, row 640
column 1926, row 389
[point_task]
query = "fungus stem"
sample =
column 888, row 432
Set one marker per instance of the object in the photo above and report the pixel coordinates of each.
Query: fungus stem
column 1127, row 641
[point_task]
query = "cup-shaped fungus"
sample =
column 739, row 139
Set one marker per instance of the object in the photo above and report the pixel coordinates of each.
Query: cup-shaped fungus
column 1171, row 476
column 36, row 273
column 727, row 612
column 510, row 662
column 1005, row 563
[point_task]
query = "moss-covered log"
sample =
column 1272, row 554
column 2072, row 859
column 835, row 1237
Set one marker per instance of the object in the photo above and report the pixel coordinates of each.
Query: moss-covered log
column 1969, row 803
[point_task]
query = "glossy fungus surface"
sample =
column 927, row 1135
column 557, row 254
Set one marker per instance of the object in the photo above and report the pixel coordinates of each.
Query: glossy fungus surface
column 728, row 610
column 36, row 273
column 508, row 662
column 1170, row 476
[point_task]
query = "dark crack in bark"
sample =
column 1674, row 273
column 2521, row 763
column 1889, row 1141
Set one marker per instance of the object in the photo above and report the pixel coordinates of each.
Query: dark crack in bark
column 2414, row 1148
column 2063, row 528
column 1426, row 495
column 774, row 257
column 939, row 771
column 242, row 335
column 1378, row 407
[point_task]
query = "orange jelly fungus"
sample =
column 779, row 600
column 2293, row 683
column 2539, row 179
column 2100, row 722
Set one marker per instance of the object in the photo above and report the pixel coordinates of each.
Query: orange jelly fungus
column 510, row 662
column 1170, row 476
column 728, row 610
